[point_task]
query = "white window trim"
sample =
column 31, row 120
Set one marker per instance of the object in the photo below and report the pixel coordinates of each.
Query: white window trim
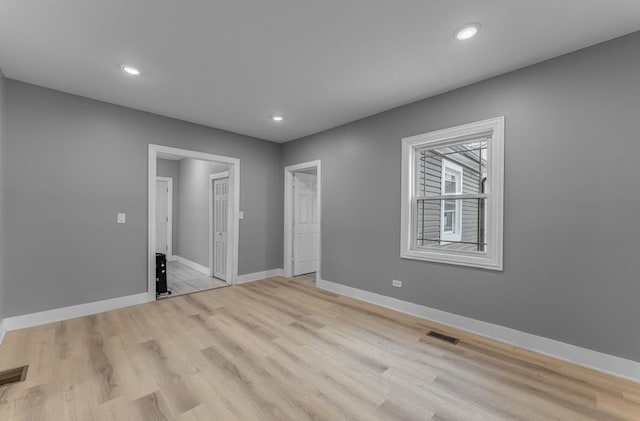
column 456, row 235
column 492, row 257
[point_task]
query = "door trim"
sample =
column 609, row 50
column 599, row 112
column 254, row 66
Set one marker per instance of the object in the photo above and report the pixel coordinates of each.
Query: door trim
column 288, row 214
column 234, row 177
column 169, row 181
column 217, row 176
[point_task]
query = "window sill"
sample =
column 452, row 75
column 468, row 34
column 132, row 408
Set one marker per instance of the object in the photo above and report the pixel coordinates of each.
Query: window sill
column 459, row 259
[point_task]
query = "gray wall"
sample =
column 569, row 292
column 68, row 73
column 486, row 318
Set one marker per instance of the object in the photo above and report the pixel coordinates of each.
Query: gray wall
column 72, row 163
column 193, row 208
column 169, row 168
column 2, row 178
column 572, row 196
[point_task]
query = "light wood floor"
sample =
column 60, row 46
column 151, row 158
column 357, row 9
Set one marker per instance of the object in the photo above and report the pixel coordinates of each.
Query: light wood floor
column 280, row 349
column 309, row 277
column 182, row 279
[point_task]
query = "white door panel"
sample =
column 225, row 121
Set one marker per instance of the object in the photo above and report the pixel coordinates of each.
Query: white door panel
column 220, row 219
column 305, row 228
column 162, row 215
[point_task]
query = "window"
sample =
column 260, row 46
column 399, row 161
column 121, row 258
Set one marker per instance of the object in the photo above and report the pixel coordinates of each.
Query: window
column 452, row 195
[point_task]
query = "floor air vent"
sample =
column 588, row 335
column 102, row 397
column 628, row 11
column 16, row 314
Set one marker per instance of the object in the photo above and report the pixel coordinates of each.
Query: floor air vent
column 14, row 375
column 443, row 337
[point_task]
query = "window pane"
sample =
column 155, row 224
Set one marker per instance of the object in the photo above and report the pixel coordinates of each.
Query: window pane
column 428, row 221
column 470, row 155
column 429, row 177
column 450, row 185
column 436, row 220
column 449, row 221
column 449, row 205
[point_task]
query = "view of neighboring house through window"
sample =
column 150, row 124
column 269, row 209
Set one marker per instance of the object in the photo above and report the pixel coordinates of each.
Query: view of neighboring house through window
column 451, row 213
column 452, row 207
column 444, row 176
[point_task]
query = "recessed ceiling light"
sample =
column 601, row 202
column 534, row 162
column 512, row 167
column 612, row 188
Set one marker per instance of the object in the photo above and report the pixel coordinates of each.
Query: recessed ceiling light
column 130, row 70
column 467, row 31
column 277, row 118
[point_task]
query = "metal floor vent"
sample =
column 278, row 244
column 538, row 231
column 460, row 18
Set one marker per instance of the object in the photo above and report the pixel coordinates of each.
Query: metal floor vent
column 443, row 337
column 14, row 375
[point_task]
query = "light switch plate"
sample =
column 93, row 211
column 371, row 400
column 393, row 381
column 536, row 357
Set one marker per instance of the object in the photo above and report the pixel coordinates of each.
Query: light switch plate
column 122, row 218
column 240, row 215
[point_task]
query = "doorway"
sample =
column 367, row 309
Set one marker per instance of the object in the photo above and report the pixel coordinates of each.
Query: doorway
column 303, row 219
column 182, row 222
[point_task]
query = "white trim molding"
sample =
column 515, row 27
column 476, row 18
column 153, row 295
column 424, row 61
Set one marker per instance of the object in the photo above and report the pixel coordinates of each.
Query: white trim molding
column 490, row 258
column 257, row 276
column 71, row 312
column 234, row 233
column 594, row 360
column 193, row 265
column 217, row 176
column 288, row 215
column 2, row 331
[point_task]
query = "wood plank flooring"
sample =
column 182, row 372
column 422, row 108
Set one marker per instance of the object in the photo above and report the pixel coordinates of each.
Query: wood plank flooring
column 280, row 349
column 182, row 279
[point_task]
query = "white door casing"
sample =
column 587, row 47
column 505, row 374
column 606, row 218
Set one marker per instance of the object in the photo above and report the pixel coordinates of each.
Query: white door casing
column 305, row 223
column 162, row 216
column 220, row 223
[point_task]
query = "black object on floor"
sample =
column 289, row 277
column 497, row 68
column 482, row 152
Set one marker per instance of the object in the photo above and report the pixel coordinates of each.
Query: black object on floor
column 161, row 273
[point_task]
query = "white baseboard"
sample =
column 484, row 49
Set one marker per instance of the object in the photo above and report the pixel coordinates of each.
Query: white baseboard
column 2, row 331
column 595, row 360
column 66, row 313
column 193, row 265
column 250, row 277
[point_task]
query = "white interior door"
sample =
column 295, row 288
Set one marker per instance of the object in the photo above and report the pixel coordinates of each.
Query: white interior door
column 162, row 216
column 305, row 223
column 220, row 218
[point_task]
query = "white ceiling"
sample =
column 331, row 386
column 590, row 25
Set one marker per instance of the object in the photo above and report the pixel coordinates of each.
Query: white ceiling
column 232, row 64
